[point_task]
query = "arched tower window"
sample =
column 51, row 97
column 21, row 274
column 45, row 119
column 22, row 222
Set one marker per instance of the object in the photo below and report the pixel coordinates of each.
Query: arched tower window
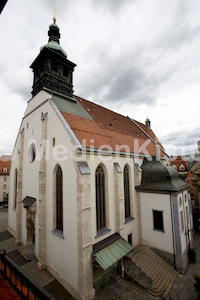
column 59, row 199
column 126, row 193
column 100, row 198
column 15, row 188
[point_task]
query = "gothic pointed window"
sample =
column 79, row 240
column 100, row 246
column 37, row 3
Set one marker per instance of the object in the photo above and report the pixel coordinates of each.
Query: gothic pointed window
column 59, row 199
column 15, row 188
column 126, row 193
column 100, row 198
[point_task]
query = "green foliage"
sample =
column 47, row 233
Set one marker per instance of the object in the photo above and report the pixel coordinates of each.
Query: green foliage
column 192, row 255
column 197, row 284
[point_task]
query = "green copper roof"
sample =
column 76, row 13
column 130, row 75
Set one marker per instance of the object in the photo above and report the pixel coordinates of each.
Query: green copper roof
column 54, row 37
column 71, row 106
column 55, row 46
column 158, row 176
column 109, row 255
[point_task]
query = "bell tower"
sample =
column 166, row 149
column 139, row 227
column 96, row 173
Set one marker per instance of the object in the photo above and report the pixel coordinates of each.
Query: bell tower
column 52, row 70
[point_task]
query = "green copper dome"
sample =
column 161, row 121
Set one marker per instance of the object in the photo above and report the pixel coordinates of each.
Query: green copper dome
column 54, row 36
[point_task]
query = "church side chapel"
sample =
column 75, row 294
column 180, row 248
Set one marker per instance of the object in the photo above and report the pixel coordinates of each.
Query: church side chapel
column 84, row 190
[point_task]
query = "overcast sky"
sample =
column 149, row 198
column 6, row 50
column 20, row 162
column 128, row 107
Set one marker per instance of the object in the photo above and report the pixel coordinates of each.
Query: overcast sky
column 139, row 58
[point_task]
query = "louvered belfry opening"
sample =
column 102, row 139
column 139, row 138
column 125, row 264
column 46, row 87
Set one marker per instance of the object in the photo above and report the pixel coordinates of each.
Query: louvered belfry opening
column 126, row 192
column 100, row 198
column 59, row 199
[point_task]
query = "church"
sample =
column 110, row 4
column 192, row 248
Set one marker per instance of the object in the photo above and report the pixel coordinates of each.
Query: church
column 88, row 185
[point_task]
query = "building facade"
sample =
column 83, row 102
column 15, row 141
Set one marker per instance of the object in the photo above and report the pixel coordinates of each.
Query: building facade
column 4, row 177
column 75, row 166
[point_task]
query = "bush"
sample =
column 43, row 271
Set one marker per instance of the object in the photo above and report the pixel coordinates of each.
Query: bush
column 192, row 255
column 197, row 284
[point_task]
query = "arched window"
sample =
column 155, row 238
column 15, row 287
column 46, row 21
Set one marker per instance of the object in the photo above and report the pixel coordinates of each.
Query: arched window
column 59, row 199
column 126, row 193
column 15, row 188
column 100, row 198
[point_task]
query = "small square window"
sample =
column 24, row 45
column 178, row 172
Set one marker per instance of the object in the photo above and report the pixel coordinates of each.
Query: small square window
column 4, row 186
column 158, row 220
column 5, row 179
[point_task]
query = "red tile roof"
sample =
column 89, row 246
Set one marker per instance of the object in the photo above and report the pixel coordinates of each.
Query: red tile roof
column 111, row 129
column 178, row 161
column 5, row 163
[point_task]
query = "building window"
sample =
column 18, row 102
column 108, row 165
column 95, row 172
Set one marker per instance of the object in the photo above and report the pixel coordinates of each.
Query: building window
column 158, row 220
column 5, row 170
column 182, row 225
column 126, row 193
column 15, row 188
column 100, row 198
column 59, row 199
column 4, row 186
column 5, row 179
column 32, row 152
column 187, row 218
column 4, row 194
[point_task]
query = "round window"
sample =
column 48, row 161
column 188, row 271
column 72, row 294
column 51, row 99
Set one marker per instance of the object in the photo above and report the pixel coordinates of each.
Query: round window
column 32, row 152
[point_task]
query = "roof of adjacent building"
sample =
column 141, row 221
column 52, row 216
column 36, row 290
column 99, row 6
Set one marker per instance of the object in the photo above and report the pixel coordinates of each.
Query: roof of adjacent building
column 100, row 128
column 5, row 162
column 180, row 163
column 160, row 177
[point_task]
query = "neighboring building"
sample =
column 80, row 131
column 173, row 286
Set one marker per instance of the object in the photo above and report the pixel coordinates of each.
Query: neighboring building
column 182, row 165
column 4, row 176
column 195, row 178
column 75, row 166
column 166, row 207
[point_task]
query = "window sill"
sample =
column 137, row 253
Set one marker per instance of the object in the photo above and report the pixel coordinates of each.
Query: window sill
column 14, row 208
column 159, row 230
column 58, row 232
column 129, row 219
column 102, row 232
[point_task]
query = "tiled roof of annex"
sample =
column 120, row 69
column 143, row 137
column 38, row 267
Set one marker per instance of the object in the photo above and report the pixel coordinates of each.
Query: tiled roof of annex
column 111, row 131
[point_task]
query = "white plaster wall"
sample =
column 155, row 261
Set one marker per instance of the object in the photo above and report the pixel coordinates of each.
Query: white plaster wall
column 108, row 163
column 62, row 255
column 182, row 208
column 36, row 101
column 158, row 239
column 11, row 211
column 30, row 176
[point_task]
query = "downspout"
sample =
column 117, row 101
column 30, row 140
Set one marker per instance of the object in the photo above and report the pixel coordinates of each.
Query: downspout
column 173, row 238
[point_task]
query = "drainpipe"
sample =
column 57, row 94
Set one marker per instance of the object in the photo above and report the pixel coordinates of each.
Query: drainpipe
column 173, row 238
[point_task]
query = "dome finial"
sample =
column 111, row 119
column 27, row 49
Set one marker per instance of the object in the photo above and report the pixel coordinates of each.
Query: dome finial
column 54, row 17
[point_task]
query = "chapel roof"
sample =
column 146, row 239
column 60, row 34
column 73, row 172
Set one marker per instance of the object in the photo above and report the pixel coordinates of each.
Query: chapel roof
column 160, row 177
column 98, row 127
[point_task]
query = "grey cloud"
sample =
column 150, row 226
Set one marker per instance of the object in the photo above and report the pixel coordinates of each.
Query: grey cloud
column 112, row 5
column 182, row 141
column 179, row 34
